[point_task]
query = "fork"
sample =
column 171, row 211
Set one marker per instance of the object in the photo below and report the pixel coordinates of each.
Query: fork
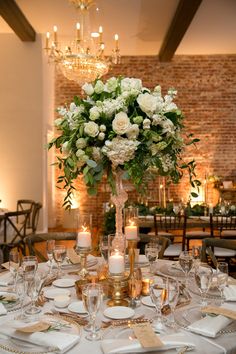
column 185, row 349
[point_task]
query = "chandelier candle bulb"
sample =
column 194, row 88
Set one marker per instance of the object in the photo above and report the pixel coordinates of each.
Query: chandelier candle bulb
column 55, row 34
column 47, row 40
column 116, row 264
column 78, row 31
column 84, row 239
column 116, row 40
column 100, row 33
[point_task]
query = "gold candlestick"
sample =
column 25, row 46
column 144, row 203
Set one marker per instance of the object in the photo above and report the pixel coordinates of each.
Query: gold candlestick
column 83, row 252
column 118, row 295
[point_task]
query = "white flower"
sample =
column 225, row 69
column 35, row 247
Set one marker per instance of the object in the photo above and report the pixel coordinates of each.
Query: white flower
column 81, row 143
column 101, row 136
column 111, row 84
column 91, row 129
column 99, row 87
column 129, row 84
column 73, row 107
column 133, row 131
column 102, row 128
column 88, row 89
column 94, row 113
column 110, row 106
column 168, row 127
column 167, row 163
column 62, row 111
column 65, row 148
column 157, row 119
column 79, row 153
column 157, row 90
column 146, row 123
column 58, row 122
column 155, row 148
column 120, row 150
column 147, row 103
column 172, row 92
column 121, row 123
column 96, row 154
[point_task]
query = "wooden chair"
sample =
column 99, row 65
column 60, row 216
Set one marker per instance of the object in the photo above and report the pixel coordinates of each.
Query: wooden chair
column 34, row 220
column 163, row 241
column 37, row 243
column 197, row 235
column 168, row 227
column 223, row 226
column 218, row 248
column 25, row 204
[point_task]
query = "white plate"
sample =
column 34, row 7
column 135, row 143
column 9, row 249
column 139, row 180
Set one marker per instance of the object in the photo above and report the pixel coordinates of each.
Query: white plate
column 118, row 312
column 147, row 301
column 77, row 307
column 64, row 283
column 52, row 293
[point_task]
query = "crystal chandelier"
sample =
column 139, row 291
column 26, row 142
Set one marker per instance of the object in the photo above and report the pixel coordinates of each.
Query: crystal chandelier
column 84, row 59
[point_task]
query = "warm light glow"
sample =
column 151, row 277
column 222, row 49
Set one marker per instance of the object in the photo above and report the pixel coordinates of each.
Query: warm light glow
column 54, row 29
column 161, row 186
column 131, row 223
column 100, row 29
column 48, row 35
column 78, row 26
column 94, row 34
column 84, row 228
column 116, row 37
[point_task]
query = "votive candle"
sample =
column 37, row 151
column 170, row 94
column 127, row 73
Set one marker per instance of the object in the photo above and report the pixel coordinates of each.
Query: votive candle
column 116, row 264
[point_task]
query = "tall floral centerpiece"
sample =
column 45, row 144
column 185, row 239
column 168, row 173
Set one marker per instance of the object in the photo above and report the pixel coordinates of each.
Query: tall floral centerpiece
column 122, row 130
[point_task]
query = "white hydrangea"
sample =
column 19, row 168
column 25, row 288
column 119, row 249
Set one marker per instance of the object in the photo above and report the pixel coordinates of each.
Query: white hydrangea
column 167, row 163
column 81, row 143
column 121, row 123
column 110, row 106
column 91, row 129
column 129, row 84
column 120, row 150
column 88, row 89
column 94, row 113
column 133, row 131
column 147, row 103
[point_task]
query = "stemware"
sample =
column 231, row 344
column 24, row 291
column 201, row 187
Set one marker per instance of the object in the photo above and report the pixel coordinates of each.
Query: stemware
column 29, row 266
column 173, row 296
column 104, row 247
column 33, row 289
column 186, row 264
column 49, row 248
column 222, row 278
column 21, row 292
column 151, row 252
column 159, row 296
column 59, row 254
column 196, row 252
column 14, row 263
column 203, row 278
column 92, row 295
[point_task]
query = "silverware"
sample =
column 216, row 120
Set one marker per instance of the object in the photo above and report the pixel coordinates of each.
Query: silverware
column 185, row 349
column 122, row 323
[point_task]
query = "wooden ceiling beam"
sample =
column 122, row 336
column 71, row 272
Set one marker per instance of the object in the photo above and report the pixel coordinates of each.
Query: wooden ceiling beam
column 12, row 14
column 183, row 16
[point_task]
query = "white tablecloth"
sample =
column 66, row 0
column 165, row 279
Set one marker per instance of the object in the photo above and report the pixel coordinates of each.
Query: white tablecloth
column 203, row 344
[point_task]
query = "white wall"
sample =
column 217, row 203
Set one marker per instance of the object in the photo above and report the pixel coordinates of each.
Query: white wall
column 22, row 130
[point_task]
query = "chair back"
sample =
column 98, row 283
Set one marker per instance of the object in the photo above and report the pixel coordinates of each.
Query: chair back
column 208, row 245
column 25, row 204
column 37, row 243
column 12, row 228
column 220, row 223
column 35, row 216
column 171, row 223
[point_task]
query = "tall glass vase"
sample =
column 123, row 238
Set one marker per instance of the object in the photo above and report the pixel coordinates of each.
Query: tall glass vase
column 119, row 199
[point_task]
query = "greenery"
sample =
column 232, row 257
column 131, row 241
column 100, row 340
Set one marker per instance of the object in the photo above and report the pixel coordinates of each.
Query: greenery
column 120, row 125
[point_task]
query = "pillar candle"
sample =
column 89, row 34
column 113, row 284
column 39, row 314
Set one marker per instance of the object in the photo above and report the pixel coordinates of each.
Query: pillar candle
column 131, row 232
column 84, row 239
column 116, row 264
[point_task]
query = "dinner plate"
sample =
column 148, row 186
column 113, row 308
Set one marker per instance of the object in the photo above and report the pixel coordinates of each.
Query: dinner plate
column 77, row 307
column 146, row 300
column 52, row 293
column 119, row 312
column 64, row 283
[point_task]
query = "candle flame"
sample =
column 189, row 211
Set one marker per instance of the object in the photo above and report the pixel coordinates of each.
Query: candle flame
column 131, row 223
column 84, row 228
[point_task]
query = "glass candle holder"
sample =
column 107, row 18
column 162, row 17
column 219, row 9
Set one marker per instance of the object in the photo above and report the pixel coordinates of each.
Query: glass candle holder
column 84, row 241
column 131, row 223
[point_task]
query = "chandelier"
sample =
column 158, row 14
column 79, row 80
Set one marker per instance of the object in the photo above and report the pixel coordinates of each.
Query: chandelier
column 83, row 60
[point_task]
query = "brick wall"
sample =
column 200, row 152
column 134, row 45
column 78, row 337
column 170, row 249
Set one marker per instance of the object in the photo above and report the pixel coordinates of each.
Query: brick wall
column 206, row 94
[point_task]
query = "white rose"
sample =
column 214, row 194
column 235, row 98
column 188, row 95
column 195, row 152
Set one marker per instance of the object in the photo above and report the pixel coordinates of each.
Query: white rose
column 101, row 136
column 99, row 87
column 133, row 131
column 147, row 103
column 94, row 113
column 111, row 85
column 146, row 123
column 81, row 143
column 121, row 123
column 88, row 89
column 91, row 129
column 103, row 128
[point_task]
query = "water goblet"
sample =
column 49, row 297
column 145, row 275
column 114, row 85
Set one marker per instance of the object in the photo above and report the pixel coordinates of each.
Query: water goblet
column 173, row 296
column 21, row 292
column 59, row 254
column 104, row 247
column 186, row 264
column 29, row 266
column 92, row 295
column 49, row 248
column 222, row 272
column 159, row 296
column 14, row 263
column 203, row 278
column 151, row 252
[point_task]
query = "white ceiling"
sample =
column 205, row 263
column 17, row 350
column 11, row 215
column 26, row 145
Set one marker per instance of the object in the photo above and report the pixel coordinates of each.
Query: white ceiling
column 141, row 24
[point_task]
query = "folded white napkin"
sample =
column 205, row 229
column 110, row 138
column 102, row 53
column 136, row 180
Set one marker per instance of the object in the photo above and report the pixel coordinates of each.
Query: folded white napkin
column 3, row 310
column 119, row 346
column 230, row 293
column 209, row 326
column 60, row 340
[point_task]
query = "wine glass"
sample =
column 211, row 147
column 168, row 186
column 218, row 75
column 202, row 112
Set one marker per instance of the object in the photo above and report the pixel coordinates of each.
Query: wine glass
column 173, row 296
column 92, row 295
column 196, row 252
column 104, row 247
column 186, row 264
column 159, row 296
column 222, row 272
column 59, row 254
column 203, row 278
column 50, row 247
column 151, row 252
column 21, row 292
column 14, row 263
column 29, row 266
column 33, row 288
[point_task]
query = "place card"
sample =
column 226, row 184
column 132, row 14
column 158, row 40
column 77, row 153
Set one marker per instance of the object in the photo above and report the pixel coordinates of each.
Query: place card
column 146, row 335
column 36, row 327
column 220, row 311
